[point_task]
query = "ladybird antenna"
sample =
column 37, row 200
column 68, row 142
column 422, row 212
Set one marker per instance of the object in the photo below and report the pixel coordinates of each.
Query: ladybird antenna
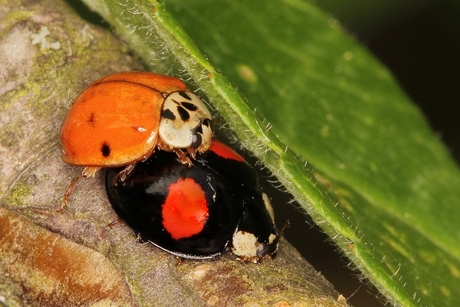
column 286, row 225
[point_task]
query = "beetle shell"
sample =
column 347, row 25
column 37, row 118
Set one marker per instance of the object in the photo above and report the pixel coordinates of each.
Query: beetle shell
column 197, row 212
column 116, row 120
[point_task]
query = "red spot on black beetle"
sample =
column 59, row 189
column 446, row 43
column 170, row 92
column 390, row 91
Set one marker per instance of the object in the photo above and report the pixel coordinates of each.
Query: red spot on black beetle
column 224, row 151
column 185, row 210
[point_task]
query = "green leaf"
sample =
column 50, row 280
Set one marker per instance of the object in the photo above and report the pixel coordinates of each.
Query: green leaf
column 328, row 120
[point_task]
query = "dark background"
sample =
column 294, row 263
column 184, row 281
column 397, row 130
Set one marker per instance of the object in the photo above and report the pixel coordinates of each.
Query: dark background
column 419, row 41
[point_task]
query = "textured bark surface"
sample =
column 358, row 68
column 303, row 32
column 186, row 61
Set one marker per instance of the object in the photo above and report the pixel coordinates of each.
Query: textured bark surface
column 47, row 55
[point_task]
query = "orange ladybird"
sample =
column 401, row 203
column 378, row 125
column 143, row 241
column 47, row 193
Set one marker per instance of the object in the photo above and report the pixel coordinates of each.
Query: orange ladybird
column 121, row 119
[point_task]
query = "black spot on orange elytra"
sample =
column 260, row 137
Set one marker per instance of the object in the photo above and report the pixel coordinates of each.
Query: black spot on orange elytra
column 105, row 150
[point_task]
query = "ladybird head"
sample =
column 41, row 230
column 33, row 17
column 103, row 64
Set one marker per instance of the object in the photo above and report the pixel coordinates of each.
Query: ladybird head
column 256, row 236
column 185, row 122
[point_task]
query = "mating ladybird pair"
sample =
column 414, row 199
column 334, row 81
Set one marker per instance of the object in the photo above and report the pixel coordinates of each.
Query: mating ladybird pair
column 192, row 210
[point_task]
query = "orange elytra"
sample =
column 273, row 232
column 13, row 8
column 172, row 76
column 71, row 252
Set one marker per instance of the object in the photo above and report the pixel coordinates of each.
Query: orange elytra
column 121, row 119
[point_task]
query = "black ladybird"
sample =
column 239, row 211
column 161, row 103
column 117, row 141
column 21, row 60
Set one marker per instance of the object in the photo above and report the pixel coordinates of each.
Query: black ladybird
column 197, row 211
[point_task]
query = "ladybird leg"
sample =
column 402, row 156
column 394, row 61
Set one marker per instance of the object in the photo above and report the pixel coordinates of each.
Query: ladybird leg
column 163, row 146
column 115, row 222
column 87, row 172
column 183, row 157
column 121, row 176
column 90, row 171
column 179, row 152
column 67, row 193
column 192, row 153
